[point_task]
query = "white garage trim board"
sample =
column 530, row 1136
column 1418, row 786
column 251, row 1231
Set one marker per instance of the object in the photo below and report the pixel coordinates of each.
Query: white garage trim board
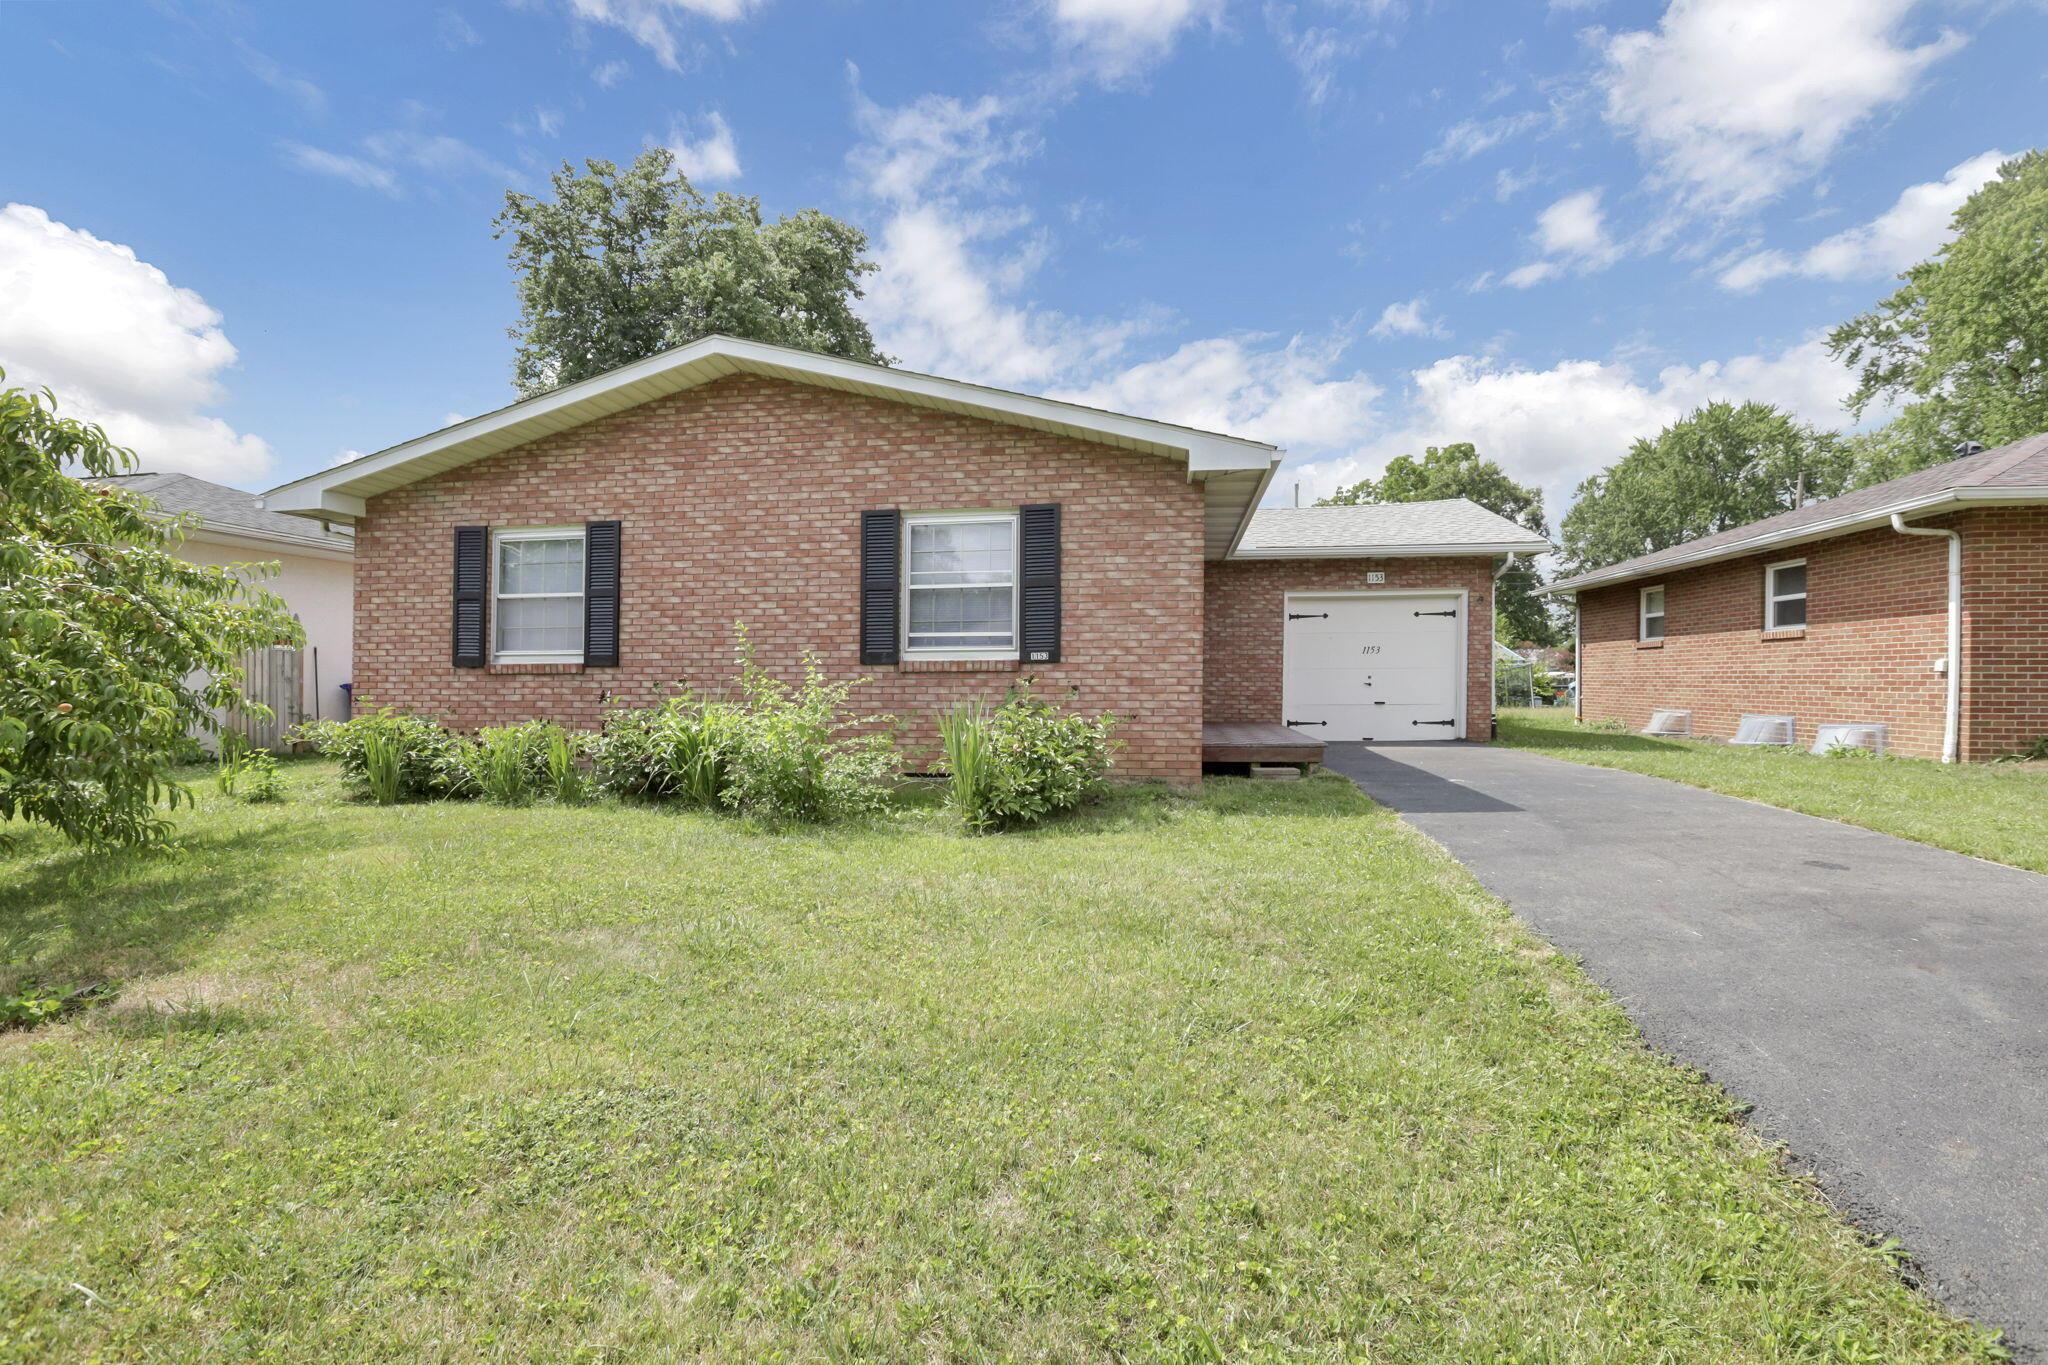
column 1386, row 666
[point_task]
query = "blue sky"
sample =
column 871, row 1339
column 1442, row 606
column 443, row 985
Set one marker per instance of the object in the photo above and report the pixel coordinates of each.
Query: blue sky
column 252, row 239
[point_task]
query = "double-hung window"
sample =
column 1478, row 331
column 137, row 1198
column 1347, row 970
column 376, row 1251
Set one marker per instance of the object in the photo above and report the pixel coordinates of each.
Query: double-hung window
column 537, row 596
column 1651, row 618
column 1785, row 595
column 960, row 585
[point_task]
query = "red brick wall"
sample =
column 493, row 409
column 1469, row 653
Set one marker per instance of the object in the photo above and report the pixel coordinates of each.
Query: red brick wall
column 1247, row 605
column 2005, row 629
column 741, row 501
column 1877, row 613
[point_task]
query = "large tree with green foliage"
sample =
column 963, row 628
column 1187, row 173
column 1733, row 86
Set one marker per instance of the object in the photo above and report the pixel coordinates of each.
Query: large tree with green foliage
column 1963, row 343
column 1457, row 471
column 1721, row 467
column 100, row 628
column 620, row 264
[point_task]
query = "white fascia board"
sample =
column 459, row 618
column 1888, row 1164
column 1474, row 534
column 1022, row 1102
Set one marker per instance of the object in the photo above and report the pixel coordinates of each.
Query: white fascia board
column 1803, row 535
column 1530, row 547
column 331, row 492
column 239, row 539
column 1251, row 507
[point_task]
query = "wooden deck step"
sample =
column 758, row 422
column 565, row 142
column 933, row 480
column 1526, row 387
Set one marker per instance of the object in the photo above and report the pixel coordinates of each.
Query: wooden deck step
column 1249, row 743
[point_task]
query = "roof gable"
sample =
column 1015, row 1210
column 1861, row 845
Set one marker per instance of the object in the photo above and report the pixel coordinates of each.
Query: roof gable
column 2010, row 473
column 1234, row 469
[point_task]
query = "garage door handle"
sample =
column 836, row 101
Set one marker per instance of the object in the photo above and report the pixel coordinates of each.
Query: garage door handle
column 1379, row 703
column 1452, row 612
column 1304, row 722
column 1308, row 616
column 1432, row 722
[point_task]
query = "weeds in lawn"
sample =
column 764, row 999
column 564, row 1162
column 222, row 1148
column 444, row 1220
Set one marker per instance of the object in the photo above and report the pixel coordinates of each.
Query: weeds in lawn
column 248, row 774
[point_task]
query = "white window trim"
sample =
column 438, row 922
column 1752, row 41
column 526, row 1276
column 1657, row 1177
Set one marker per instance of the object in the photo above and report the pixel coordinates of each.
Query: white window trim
column 1771, row 598
column 1016, row 626
column 1643, row 614
column 499, row 537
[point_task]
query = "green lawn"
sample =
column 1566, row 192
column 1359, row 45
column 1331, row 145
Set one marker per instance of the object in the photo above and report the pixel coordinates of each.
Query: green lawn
column 1990, row 810
column 1258, row 1074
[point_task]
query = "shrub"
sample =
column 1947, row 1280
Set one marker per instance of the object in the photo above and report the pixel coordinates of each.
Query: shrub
column 1023, row 761
column 512, row 764
column 678, row 750
column 794, row 753
column 395, row 757
column 249, row 774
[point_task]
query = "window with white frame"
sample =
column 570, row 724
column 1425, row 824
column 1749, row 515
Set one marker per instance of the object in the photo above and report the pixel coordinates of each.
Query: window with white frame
column 1785, row 595
column 537, row 596
column 1651, row 618
column 960, row 584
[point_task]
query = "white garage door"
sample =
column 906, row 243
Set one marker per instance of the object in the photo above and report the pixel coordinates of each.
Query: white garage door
column 1375, row 667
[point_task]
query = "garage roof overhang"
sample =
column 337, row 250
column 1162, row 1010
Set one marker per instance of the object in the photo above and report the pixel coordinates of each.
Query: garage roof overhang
column 1234, row 472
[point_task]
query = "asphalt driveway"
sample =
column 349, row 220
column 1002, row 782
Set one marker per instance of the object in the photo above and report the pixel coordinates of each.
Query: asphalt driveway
column 1882, row 1004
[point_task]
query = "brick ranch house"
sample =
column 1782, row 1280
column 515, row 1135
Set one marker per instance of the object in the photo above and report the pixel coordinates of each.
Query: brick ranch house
column 599, row 542
column 1920, row 604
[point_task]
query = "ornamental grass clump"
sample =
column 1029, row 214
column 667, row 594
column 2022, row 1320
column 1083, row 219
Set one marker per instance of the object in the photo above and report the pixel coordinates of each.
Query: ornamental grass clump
column 679, row 750
column 395, row 757
column 1023, row 761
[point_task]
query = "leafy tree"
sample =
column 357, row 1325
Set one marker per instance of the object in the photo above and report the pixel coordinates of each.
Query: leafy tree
column 100, row 626
column 1457, row 471
column 1721, row 467
column 620, row 264
column 1963, row 343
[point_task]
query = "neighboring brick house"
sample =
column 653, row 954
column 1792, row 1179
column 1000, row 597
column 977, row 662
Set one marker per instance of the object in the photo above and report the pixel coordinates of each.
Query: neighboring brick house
column 1832, row 615
column 598, row 545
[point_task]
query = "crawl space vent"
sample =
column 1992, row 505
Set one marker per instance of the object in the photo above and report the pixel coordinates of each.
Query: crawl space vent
column 1669, row 723
column 1831, row 737
column 1765, row 730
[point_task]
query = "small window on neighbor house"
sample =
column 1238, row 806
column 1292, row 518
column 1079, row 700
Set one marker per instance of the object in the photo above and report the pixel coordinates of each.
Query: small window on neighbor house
column 960, row 584
column 1785, row 595
column 537, row 596
column 1652, row 620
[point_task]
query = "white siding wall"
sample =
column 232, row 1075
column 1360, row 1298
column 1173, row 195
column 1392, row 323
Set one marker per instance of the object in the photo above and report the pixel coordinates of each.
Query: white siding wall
column 321, row 592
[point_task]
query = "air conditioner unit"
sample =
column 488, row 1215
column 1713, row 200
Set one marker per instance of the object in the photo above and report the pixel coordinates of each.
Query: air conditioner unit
column 1861, row 736
column 1765, row 730
column 1669, row 723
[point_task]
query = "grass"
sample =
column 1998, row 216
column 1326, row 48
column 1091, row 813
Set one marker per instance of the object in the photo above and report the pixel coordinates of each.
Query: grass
column 1258, row 1074
column 1988, row 810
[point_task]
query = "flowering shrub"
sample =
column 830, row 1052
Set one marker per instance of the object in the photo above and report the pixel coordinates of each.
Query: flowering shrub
column 1022, row 761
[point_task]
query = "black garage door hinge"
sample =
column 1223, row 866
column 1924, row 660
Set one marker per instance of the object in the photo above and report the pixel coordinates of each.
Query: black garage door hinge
column 1304, row 722
column 1452, row 612
column 1308, row 616
column 1432, row 722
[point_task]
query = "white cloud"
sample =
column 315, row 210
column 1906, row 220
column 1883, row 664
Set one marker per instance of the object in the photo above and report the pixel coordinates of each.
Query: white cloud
column 454, row 31
column 610, row 74
column 385, row 154
column 1315, row 50
column 310, row 98
column 340, row 165
column 709, row 158
column 1552, row 427
column 343, row 457
column 1470, row 137
column 1405, row 320
column 1906, row 233
column 120, row 345
column 1120, row 38
column 1293, row 395
column 1734, row 100
column 1574, row 226
column 651, row 23
column 1524, row 277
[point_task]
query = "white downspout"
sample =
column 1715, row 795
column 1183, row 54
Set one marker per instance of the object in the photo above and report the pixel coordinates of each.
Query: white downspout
column 1952, row 721
column 1578, row 667
column 1493, row 655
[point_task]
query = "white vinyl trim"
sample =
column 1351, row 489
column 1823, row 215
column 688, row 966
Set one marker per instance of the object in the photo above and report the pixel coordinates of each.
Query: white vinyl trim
column 945, row 654
column 1459, row 679
column 528, row 656
column 1644, row 615
column 1772, row 597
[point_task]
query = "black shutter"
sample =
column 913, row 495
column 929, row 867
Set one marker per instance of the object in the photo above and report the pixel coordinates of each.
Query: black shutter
column 881, row 581
column 1038, row 576
column 472, row 581
column 600, row 594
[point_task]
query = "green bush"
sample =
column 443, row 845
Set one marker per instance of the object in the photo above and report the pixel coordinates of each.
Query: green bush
column 248, row 774
column 679, row 750
column 798, row 753
column 513, row 764
column 395, row 757
column 1023, row 761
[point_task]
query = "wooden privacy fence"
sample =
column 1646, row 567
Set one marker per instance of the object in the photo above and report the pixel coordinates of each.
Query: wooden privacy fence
column 273, row 677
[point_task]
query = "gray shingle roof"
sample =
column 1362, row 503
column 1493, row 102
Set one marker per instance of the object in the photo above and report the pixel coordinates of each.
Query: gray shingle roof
column 2020, row 466
column 1452, row 526
column 227, row 510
